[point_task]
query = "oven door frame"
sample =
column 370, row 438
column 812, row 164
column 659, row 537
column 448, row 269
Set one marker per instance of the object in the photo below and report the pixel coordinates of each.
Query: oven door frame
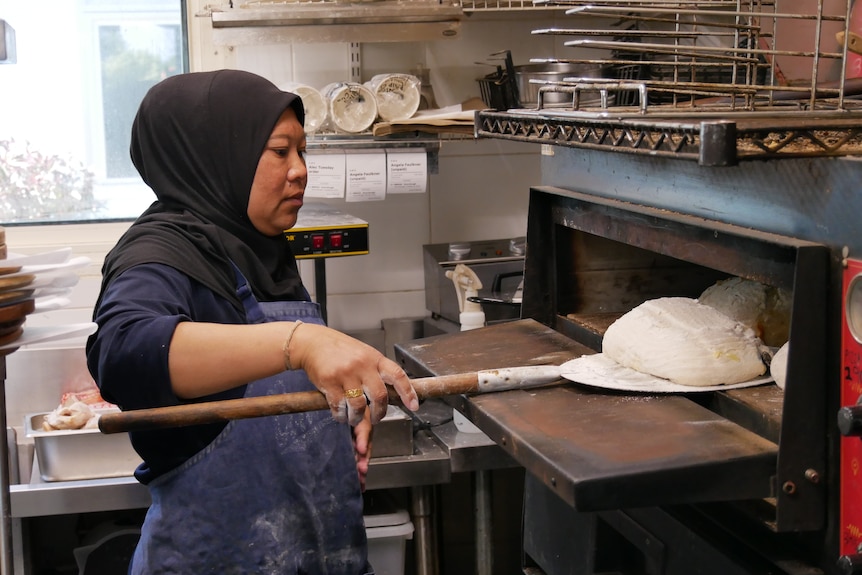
column 795, row 264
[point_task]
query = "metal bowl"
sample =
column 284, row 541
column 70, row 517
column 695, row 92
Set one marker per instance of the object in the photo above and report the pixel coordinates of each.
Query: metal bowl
column 555, row 72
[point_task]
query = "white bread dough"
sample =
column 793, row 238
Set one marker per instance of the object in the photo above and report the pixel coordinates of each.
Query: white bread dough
column 73, row 416
column 685, row 342
column 763, row 308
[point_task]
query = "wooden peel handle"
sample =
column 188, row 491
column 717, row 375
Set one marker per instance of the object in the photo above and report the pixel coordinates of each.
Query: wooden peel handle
column 222, row 411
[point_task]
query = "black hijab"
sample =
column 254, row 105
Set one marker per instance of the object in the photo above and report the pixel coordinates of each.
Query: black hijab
column 196, row 141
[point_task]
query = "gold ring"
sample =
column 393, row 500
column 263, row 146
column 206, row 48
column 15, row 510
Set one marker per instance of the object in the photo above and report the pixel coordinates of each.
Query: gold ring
column 354, row 393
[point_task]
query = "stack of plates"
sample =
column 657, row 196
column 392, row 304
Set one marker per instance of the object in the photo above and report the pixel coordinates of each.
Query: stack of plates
column 32, row 284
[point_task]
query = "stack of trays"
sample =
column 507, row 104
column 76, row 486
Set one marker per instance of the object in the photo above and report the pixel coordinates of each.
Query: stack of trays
column 13, row 310
column 32, row 284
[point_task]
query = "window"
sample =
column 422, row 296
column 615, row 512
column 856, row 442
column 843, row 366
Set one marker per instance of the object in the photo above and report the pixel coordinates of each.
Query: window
column 68, row 103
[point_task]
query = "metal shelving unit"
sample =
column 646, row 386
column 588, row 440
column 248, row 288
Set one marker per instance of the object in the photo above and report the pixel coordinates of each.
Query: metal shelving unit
column 711, row 141
column 697, row 81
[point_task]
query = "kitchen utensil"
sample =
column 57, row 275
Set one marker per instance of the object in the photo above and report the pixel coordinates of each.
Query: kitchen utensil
column 495, row 263
column 68, row 265
column 497, row 296
column 16, row 311
column 219, row 411
column 597, row 370
column 79, row 454
column 51, row 302
column 586, row 370
column 46, row 333
column 499, row 89
column 53, row 257
column 528, row 91
column 467, row 285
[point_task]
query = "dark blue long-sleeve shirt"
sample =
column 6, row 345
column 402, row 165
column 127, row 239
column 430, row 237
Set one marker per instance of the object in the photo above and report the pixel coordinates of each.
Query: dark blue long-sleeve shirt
column 128, row 356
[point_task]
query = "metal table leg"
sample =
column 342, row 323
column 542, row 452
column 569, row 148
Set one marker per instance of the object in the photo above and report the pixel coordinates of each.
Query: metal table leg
column 484, row 529
column 320, row 285
column 425, row 536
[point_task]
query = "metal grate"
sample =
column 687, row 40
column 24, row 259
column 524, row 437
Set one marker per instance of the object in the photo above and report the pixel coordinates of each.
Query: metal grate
column 500, row 5
column 275, row 4
column 716, row 81
column 709, row 56
column 711, row 141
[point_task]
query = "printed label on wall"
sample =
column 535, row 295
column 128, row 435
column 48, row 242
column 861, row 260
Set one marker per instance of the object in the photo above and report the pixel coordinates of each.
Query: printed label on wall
column 366, row 176
column 407, row 172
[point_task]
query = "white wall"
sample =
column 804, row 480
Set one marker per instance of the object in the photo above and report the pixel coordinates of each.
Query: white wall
column 479, row 193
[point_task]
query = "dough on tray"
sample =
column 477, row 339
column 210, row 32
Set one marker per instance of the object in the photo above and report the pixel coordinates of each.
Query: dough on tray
column 76, row 415
column 763, row 308
column 686, row 342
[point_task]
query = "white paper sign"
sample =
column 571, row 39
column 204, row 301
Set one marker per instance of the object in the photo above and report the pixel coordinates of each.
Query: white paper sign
column 406, row 172
column 366, row 176
column 326, row 175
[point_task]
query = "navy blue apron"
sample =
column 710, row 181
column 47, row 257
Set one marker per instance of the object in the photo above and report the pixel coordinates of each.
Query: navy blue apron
column 271, row 495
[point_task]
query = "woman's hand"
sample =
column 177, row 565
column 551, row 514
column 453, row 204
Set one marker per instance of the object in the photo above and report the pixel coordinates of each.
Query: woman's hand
column 207, row 358
column 351, row 374
column 362, row 446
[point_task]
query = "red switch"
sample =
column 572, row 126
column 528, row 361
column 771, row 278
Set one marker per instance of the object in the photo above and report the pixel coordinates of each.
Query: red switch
column 317, row 242
column 335, row 241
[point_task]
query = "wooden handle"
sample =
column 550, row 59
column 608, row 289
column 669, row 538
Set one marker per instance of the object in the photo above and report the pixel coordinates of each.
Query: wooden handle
column 222, row 411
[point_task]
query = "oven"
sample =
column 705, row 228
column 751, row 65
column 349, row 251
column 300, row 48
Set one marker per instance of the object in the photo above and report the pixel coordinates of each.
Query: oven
column 691, row 182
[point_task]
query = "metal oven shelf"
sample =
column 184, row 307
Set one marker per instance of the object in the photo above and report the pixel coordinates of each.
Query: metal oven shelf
column 598, row 451
column 709, row 141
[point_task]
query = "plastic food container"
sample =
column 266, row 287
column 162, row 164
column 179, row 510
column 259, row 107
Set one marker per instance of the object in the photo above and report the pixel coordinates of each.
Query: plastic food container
column 387, row 528
column 352, row 106
column 397, row 95
column 554, row 72
column 312, row 101
column 78, row 454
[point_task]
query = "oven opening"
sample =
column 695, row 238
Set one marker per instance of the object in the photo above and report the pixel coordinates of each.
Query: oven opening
column 591, row 260
column 600, row 279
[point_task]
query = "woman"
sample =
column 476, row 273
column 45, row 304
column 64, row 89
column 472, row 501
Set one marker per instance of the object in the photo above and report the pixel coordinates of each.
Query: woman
column 201, row 300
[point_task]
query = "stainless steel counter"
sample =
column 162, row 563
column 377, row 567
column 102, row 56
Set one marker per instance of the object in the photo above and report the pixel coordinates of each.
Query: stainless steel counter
column 429, row 464
column 469, row 452
column 439, row 451
column 62, row 497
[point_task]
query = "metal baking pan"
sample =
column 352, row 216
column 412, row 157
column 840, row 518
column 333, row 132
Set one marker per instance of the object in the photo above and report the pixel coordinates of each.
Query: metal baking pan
column 394, row 434
column 79, row 454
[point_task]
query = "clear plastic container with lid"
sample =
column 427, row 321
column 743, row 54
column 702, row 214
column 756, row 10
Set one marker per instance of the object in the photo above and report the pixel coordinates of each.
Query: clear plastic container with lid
column 397, row 95
column 316, row 111
column 352, row 106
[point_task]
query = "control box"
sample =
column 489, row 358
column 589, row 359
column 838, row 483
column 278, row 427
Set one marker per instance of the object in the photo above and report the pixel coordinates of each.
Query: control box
column 322, row 231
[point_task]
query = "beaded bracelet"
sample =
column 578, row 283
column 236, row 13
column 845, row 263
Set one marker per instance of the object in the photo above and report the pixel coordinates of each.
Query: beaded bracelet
column 285, row 349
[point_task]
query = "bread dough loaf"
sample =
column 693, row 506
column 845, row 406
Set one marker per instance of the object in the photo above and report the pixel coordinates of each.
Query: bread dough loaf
column 76, row 415
column 685, row 342
column 763, row 308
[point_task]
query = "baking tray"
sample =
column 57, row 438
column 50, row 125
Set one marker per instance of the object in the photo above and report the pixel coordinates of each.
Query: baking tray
column 79, row 454
column 393, row 435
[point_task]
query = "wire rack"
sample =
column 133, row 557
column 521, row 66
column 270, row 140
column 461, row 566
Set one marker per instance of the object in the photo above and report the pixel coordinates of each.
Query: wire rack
column 501, row 5
column 710, row 56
